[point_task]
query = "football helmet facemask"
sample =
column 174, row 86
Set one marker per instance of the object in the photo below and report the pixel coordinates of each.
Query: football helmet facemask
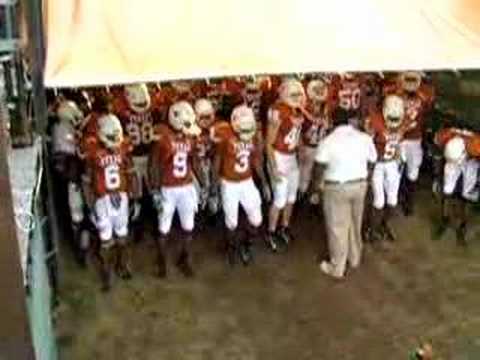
column 317, row 91
column 411, row 81
column 292, row 93
column 205, row 113
column 393, row 111
column 110, row 131
column 243, row 122
column 68, row 111
column 138, row 97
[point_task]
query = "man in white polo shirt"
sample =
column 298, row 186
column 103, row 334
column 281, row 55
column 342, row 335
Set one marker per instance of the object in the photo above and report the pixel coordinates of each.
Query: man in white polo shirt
column 343, row 159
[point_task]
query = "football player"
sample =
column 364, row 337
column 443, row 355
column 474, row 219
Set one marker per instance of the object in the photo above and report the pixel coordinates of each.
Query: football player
column 68, row 164
column 417, row 103
column 237, row 159
column 138, row 118
column 109, row 184
column 387, row 129
column 282, row 143
column 347, row 94
column 461, row 149
column 314, row 128
column 209, row 196
column 172, row 160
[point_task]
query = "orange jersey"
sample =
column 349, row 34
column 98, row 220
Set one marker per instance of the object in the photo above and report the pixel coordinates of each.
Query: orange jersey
column 312, row 132
column 90, row 127
column 220, row 131
column 290, row 127
column 346, row 94
column 205, row 143
column 238, row 158
column 138, row 126
column 173, row 152
column 472, row 140
column 387, row 142
column 88, row 131
column 110, row 169
column 415, row 109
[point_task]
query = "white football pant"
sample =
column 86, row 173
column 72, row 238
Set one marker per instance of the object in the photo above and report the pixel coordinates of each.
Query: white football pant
column 184, row 200
column 286, row 187
column 386, row 183
column 243, row 193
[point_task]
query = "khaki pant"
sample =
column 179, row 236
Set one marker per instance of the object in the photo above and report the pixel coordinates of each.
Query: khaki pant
column 343, row 208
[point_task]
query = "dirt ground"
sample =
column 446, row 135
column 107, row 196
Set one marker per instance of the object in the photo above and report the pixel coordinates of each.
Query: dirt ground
column 282, row 307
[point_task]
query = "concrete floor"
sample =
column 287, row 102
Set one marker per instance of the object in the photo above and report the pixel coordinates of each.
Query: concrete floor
column 283, row 307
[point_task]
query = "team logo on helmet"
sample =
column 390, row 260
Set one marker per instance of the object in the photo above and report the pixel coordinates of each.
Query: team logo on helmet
column 110, row 131
column 138, row 97
column 317, row 90
column 292, row 93
column 243, row 122
column 205, row 113
column 182, row 118
column 393, row 111
column 411, row 80
column 68, row 111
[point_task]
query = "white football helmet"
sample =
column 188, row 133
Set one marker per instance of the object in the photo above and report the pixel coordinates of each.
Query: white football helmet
column 181, row 86
column 69, row 112
column 393, row 111
column 317, row 90
column 110, row 131
column 243, row 122
column 292, row 93
column 205, row 113
column 138, row 97
column 455, row 150
column 347, row 76
column 411, row 80
column 182, row 118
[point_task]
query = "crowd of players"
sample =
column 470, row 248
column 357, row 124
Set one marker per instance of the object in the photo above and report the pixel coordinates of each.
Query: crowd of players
column 209, row 148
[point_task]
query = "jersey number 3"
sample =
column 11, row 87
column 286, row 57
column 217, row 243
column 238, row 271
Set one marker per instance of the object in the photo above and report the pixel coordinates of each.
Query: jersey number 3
column 242, row 161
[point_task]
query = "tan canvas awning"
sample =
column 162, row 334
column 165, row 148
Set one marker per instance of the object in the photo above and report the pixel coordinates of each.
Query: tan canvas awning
column 119, row 41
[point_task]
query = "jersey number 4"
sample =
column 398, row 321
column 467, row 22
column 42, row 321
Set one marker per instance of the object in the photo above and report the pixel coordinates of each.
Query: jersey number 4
column 292, row 138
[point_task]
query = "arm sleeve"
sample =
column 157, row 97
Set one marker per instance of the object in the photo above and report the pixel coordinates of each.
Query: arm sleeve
column 372, row 151
column 322, row 155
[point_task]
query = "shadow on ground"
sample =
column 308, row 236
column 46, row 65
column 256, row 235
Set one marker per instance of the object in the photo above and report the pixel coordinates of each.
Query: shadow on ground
column 282, row 307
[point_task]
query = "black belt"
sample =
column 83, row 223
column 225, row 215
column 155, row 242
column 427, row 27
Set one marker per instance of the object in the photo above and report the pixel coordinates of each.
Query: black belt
column 354, row 181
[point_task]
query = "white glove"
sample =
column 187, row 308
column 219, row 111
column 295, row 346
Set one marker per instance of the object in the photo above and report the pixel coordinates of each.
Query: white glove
column 436, row 187
column 157, row 200
column 135, row 208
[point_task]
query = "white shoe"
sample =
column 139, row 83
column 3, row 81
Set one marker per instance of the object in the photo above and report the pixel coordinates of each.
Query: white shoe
column 326, row 267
